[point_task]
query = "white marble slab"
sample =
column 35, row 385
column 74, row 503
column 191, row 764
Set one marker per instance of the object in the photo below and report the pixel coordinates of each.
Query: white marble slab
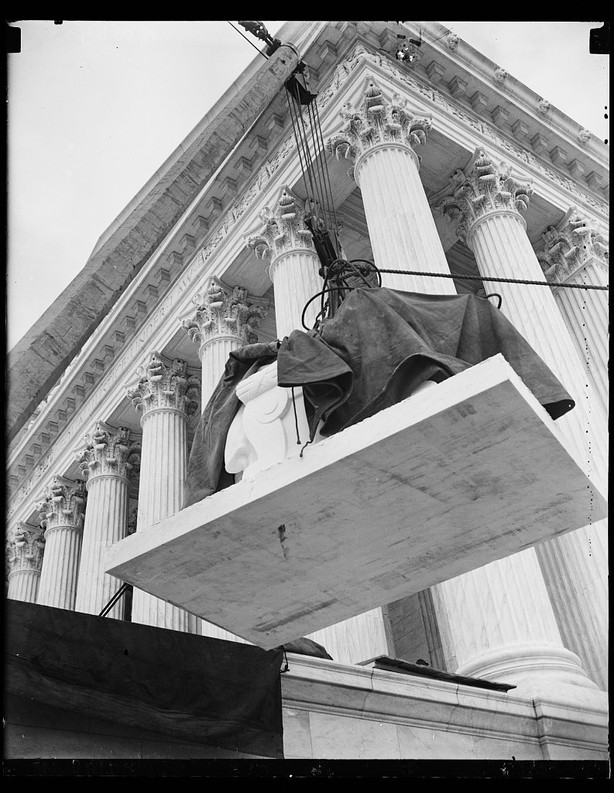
column 448, row 480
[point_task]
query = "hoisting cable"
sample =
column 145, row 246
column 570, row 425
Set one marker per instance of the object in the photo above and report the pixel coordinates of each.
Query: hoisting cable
column 498, row 280
column 320, row 214
column 348, row 268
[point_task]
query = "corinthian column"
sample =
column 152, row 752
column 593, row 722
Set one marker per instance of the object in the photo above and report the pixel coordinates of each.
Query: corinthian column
column 486, row 203
column 576, row 253
column 166, row 394
column 62, row 515
column 24, row 555
column 380, row 136
column 294, row 268
column 106, row 462
column 224, row 319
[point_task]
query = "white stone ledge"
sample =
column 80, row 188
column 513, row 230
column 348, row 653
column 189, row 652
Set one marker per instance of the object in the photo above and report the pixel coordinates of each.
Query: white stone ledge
column 459, row 721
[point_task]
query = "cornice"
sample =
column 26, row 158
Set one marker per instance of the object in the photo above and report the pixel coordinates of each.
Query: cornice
column 501, row 86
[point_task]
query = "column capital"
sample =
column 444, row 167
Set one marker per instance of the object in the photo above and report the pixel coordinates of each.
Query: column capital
column 483, row 188
column 108, row 451
column 63, row 504
column 573, row 243
column 375, row 120
column 25, row 548
column 165, row 384
column 222, row 310
column 284, row 228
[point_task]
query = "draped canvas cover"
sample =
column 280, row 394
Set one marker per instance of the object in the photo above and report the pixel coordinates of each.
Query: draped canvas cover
column 374, row 352
column 196, row 688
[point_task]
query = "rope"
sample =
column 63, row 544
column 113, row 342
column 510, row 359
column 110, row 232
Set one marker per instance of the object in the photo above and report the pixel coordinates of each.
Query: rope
column 298, row 435
column 497, row 280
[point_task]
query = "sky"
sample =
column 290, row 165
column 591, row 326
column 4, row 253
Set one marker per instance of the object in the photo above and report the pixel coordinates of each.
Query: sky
column 95, row 107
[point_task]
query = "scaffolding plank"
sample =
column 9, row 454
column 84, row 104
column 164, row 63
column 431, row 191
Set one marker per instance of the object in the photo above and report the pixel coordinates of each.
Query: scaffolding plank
column 444, row 482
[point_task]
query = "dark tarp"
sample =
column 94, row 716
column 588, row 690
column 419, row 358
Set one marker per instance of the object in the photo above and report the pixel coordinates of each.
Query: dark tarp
column 377, row 349
column 306, row 647
column 196, row 688
column 405, row 668
column 206, row 473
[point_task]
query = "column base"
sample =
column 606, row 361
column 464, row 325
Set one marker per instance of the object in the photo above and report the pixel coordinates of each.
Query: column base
column 546, row 667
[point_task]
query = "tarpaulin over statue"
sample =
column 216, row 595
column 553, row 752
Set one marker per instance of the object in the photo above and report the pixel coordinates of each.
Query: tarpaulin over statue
column 374, row 352
column 200, row 689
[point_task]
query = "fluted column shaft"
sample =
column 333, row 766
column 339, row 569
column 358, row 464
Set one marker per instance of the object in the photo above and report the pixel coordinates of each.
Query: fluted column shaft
column 296, row 279
column 106, row 466
column 586, row 316
column 163, row 468
column 503, row 626
column 402, row 230
column 104, row 525
column 576, row 254
column 25, row 556
column 63, row 515
column 380, row 135
column 286, row 240
column 165, row 394
column 574, row 565
column 502, row 249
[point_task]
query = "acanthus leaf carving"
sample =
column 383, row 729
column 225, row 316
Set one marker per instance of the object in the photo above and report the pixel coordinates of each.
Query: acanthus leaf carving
column 572, row 243
column 482, row 187
column 63, row 504
column 25, row 548
column 164, row 384
column 107, row 451
column 284, row 228
column 375, row 120
column 222, row 310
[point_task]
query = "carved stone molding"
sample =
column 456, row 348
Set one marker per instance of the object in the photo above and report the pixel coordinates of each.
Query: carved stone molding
column 165, row 384
column 64, row 504
column 483, row 187
column 270, row 426
column 284, row 228
column 376, row 120
column 25, row 548
column 571, row 244
column 109, row 451
column 452, row 41
column 225, row 311
column 584, row 135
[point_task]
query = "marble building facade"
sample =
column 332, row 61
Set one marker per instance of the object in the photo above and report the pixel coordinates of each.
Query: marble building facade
column 447, row 165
